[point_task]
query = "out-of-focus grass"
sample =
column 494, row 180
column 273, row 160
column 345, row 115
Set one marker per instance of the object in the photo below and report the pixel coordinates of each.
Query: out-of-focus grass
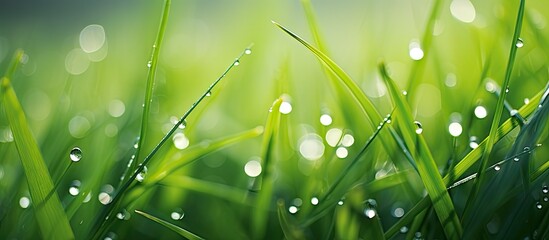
column 94, row 101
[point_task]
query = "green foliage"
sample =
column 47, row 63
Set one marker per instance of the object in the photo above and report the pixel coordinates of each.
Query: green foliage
column 169, row 150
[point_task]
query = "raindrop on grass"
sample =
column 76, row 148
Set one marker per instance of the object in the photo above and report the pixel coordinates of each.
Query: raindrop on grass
column 180, row 141
column 24, row 202
column 293, row 209
column 342, row 152
column 404, row 93
column 285, row 108
column 141, row 176
column 325, row 119
column 253, row 168
column 314, row 201
column 497, row 168
column 104, row 198
column 538, row 205
column 297, row 202
column 236, row 62
column 248, row 51
column 110, row 236
column 419, row 127
column 347, row 140
column 369, row 212
column 455, row 129
column 398, row 212
column 480, row 112
column 403, row 229
column 74, row 189
column 149, row 64
column 340, row 203
column 183, row 124
column 546, row 199
column 545, row 189
column 177, row 214
column 209, row 93
column 527, row 149
column 473, row 142
column 75, row 154
column 520, row 43
column 123, row 215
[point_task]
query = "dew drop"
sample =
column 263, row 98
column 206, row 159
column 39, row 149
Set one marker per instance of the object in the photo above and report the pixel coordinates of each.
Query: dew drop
column 325, row 119
column 141, row 176
column 404, row 93
column 342, row 152
column 520, row 43
column 513, row 112
column 546, row 199
column 236, row 62
column 123, row 215
column 177, row 214
column 545, row 189
column 314, row 201
column 419, row 127
column 24, row 202
column 285, row 108
column 369, row 212
column 497, row 168
column 104, row 198
column 297, row 202
column 526, row 100
column 347, row 140
column 293, row 209
column 340, row 203
column 180, row 141
column 403, row 229
column 527, row 149
column 248, row 51
column 480, row 112
column 75, row 154
column 473, row 142
column 149, row 64
column 253, row 168
column 74, row 189
column 516, row 159
column 538, row 205
column 183, row 124
column 209, row 93
column 507, row 90
column 110, row 236
column 87, row 198
column 398, row 212
column 455, row 129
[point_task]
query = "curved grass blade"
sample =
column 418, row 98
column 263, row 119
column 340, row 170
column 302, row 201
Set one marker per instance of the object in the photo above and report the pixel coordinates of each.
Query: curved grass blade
column 50, row 216
column 264, row 184
column 151, row 77
column 288, row 224
column 182, row 232
column 426, row 165
column 491, row 140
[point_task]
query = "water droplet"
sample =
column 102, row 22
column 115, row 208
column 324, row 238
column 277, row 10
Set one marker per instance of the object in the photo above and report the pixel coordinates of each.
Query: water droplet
column 75, row 154
column 183, row 124
column 141, row 176
column 342, row 152
column 24, row 202
column 480, row 112
column 369, row 212
column 545, row 189
column 123, row 215
column 209, row 93
column 490, row 86
column 248, row 51
column 419, row 127
column 506, row 90
column 311, row 147
column 149, row 64
column 398, row 212
column 110, row 236
column 347, row 140
column 516, row 159
column 415, row 51
column 497, row 167
column 236, row 62
column 253, row 168
column 180, row 141
column 527, row 149
column 520, row 43
column 538, row 205
column 455, row 129
column 417, row 235
column 177, row 214
column 546, row 199
column 513, row 112
column 74, row 189
column 293, row 209
column 526, row 100
column 333, row 135
column 325, row 119
column 403, row 229
column 297, row 202
column 473, row 142
column 314, row 201
column 87, row 198
column 104, row 198
column 285, row 108
column 340, row 203
column 404, row 93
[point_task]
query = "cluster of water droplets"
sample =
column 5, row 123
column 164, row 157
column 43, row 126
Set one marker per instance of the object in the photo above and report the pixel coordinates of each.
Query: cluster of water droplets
column 544, row 199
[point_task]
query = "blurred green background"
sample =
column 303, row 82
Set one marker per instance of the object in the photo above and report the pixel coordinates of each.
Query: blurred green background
column 84, row 79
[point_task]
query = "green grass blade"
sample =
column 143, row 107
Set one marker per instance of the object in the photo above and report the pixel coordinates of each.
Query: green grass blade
column 426, row 165
column 50, row 216
column 217, row 190
column 184, row 233
column 151, row 76
column 264, row 183
column 491, row 140
column 288, row 224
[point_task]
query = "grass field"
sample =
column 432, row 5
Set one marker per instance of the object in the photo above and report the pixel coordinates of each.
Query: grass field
column 269, row 120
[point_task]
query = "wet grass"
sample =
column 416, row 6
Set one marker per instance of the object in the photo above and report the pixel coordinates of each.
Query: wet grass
column 293, row 138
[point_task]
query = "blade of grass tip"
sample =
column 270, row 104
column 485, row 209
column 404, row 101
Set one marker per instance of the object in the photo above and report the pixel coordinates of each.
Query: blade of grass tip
column 325, row 202
column 426, row 165
column 467, row 162
column 264, row 183
column 288, row 224
column 103, row 223
column 419, row 65
column 491, row 140
column 182, row 232
column 151, row 77
column 50, row 216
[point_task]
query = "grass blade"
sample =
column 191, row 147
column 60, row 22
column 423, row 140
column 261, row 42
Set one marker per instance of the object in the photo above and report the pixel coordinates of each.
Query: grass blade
column 426, row 165
column 151, row 76
column 491, row 139
column 221, row 191
column 50, row 216
column 184, row 233
column 288, row 224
